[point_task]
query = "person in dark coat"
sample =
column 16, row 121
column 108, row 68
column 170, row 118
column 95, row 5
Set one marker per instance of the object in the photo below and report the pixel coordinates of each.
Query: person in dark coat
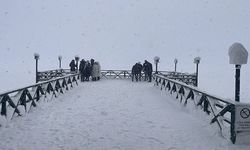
column 81, row 69
column 135, row 72
column 72, row 66
column 148, row 69
column 144, row 70
column 140, row 67
column 87, row 71
column 92, row 61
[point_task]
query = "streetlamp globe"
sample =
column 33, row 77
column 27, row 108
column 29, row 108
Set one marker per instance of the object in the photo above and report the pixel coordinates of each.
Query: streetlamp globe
column 36, row 56
column 175, row 60
column 156, row 59
column 77, row 58
column 197, row 60
column 59, row 57
column 238, row 54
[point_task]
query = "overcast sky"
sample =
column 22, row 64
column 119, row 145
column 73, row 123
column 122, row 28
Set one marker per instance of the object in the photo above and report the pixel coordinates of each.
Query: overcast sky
column 119, row 33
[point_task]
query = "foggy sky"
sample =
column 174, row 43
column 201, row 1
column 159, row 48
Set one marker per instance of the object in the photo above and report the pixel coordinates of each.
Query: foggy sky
column 120, row 33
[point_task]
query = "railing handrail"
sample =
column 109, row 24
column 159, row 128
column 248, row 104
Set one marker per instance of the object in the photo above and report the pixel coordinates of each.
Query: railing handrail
column 36, row 84
column 196, row 89
column 213, row 105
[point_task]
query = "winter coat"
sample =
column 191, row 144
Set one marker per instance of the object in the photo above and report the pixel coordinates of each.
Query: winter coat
column 136, row 69
column 87, row 70
column 147, row 67
column 82, row 66
column 72, row 66
column 96, row 70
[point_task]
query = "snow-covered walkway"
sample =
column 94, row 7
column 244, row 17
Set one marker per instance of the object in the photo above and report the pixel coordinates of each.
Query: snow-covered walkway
column 111, row 115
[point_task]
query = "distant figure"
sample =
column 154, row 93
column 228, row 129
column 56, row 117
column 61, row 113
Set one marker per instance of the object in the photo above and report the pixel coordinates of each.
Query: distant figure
column 144, row 70
column 92, row 62
column 72, row 66
column 82, row 68
column 140, row 67
column 87, row 70
column 99, row 71
column 148, row 69
column 96, row 71
column 136, row 69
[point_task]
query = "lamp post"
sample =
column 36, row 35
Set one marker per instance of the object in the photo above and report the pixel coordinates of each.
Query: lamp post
column 156, row 60
column 77, row 58
column 60, row 61
column 238, row 56
column 197, row 61
column 36, row 56
column 175, row 64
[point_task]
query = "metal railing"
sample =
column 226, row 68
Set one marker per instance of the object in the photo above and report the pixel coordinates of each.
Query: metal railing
column 119, row 74
column 51, row 74
column 20, row 101
column 126, row 74
column 221, row 110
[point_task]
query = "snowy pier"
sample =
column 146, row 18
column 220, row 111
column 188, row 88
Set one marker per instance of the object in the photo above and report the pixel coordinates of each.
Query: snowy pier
column 114, row 113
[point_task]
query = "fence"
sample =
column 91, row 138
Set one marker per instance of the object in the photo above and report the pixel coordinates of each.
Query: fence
column 20, row 101
column 221, row 110
column 119, row 74
column 50, row 74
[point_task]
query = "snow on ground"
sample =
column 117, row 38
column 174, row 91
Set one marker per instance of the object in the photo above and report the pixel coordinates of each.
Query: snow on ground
column 112, row 115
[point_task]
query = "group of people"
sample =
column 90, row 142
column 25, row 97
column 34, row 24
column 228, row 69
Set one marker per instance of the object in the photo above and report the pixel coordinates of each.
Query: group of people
column 87, row 69
column 137, row 70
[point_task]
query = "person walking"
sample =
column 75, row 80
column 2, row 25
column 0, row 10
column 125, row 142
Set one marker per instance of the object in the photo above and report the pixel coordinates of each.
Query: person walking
column 82, row 68
column 144, row 69
column 95, row 71
column 135, row 72
column 150, row 71
column 72, row 66
column 140, row 67
column 87, row 71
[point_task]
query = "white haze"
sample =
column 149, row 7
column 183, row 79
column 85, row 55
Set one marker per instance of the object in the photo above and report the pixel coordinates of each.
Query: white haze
column 120, row 33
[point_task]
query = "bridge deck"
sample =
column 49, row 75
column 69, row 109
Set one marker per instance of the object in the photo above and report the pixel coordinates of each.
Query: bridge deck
column 110, row 115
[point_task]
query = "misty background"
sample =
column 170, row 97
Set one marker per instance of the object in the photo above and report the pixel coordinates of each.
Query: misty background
column 121, row 33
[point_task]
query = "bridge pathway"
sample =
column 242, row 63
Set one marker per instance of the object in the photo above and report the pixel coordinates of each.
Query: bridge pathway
column 111, row 115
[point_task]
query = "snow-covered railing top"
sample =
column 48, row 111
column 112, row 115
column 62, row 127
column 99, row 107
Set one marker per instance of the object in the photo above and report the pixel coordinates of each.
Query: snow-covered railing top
column 50, row 74
column 20, row 101
column 119, row 74
column 221, row 110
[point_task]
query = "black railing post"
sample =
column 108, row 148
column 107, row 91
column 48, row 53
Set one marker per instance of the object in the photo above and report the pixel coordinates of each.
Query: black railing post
column 36, row 70
column 237, row 83
column 197, row 74
column 156, row 70
column 232, row 127
column 36, row 56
